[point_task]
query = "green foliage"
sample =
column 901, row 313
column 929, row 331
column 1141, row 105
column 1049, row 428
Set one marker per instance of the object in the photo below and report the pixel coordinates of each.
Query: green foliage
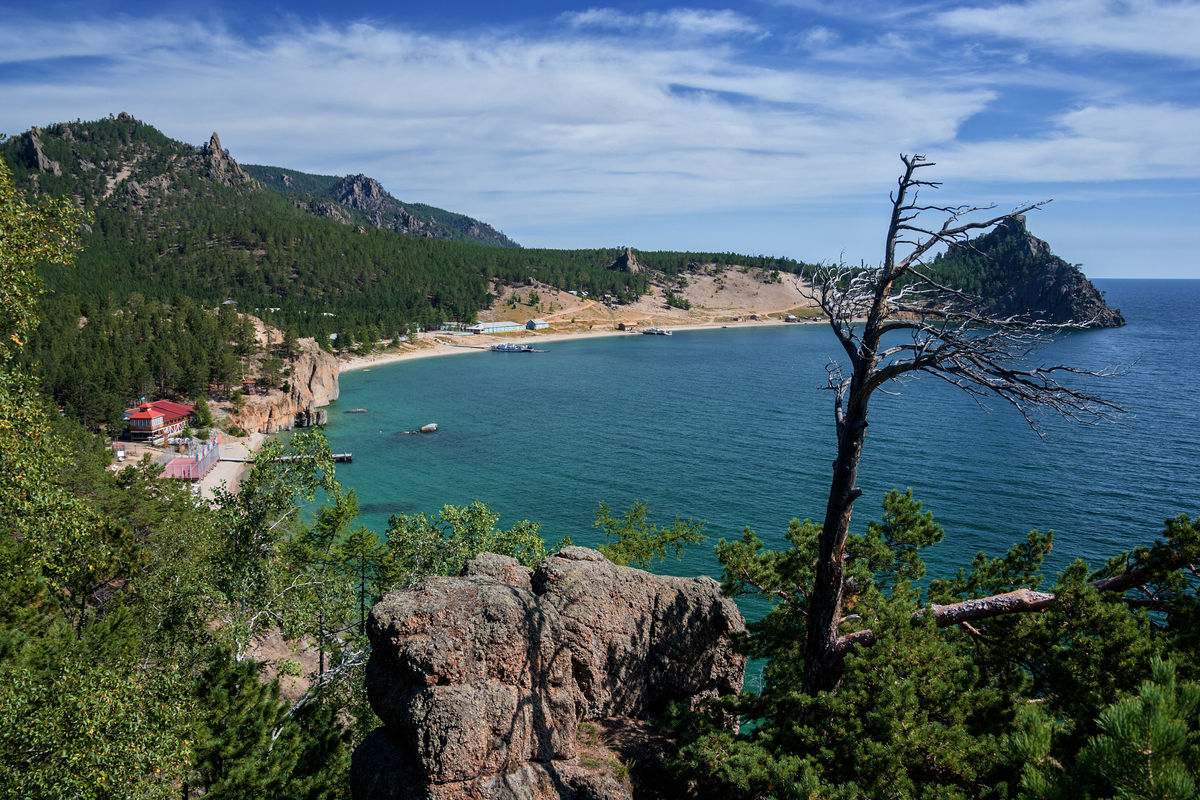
column 442, row 545
column 246, row 745
column 676, row 301
column 632, row 541
column 1149, row 744
column 116, row 585
column 1024, row 705
column 74, row 726
column 30, row 234
column 97, row 358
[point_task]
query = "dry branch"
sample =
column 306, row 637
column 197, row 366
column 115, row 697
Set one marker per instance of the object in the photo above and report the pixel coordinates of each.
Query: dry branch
column 1022, row 601
column 893, row 320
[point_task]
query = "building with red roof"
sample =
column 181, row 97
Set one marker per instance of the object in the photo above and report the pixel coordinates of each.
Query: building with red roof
column 154, row 422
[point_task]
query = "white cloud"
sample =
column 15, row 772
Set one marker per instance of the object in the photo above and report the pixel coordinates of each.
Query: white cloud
column 531, row 130
column 1091, row 145
column 1147, row 27
column 510, row 127
column 683, row 21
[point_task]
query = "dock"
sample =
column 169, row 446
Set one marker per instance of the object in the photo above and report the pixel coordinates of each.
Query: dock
column 344, row 458
column 340, row 457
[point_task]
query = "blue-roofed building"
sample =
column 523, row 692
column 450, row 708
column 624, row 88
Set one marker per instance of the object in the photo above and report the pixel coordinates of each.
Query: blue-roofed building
column 536, row 324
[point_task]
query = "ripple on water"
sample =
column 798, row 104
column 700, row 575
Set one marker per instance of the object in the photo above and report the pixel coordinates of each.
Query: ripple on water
column 731, row 426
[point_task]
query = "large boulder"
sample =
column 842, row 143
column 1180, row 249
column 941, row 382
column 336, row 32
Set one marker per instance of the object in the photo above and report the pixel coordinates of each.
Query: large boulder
column 639, row 641
column 481, row 681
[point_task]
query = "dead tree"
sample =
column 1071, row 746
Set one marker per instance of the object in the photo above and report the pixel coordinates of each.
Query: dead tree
column 896, row 319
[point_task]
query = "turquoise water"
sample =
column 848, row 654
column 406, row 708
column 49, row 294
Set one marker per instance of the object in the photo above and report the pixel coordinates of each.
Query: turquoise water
column 732, row 426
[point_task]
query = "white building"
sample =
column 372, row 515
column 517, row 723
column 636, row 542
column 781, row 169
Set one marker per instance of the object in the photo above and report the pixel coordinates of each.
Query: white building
column 496, row 327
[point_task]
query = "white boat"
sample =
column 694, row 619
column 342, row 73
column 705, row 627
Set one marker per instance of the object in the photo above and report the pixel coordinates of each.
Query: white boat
column 656, row 332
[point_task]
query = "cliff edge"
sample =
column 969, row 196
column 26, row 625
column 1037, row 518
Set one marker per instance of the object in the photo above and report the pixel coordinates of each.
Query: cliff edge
column 312, row 385
column 485, row 683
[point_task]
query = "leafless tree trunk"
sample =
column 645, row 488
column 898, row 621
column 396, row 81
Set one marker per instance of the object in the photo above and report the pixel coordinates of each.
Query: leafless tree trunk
column 895, row 319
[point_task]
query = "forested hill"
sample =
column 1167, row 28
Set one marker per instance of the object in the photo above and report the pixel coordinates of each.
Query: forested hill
column 1013, row 272
column 359, row 200
column 171, row 220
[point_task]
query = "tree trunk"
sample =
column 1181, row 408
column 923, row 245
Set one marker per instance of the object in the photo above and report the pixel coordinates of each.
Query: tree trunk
column 821, row 672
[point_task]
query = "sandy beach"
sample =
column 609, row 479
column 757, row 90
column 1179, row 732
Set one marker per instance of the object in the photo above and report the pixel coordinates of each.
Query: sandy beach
column 230, row 473
column 438, row 343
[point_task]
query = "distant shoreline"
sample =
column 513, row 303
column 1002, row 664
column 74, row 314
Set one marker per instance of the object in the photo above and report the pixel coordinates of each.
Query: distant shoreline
column 473, row 343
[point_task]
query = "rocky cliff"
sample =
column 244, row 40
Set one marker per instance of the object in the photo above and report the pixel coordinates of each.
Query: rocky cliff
column 220, row 166
column 1013, row 272
column 313, row 384
column 483, row 681
column 359, row 200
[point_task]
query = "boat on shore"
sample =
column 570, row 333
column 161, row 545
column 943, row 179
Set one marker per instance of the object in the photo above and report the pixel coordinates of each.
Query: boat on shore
column 656, row 332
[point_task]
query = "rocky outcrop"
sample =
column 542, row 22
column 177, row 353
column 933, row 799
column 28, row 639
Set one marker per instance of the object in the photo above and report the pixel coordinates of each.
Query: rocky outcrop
column 35, row 154
column 640, row 641
column 482, row 681
column 364, row 194
column 1023, row 277
column 220, row 166
column 627, row 262
column 313, row 384
column 384, row 211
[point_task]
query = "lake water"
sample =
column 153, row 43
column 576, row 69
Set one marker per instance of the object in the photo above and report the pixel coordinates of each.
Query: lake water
column 732, row 426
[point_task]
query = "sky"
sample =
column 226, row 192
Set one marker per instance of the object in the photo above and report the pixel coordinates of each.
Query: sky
column 770, row 127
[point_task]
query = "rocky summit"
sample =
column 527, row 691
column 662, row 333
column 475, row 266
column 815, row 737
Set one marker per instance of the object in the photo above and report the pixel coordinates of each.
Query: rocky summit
column 484, row 682
column 1011, row 272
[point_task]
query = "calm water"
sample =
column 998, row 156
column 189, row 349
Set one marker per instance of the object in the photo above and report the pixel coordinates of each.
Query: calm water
column 731, row 426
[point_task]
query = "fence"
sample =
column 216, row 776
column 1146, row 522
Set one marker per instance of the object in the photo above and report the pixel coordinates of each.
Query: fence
column 195, row 466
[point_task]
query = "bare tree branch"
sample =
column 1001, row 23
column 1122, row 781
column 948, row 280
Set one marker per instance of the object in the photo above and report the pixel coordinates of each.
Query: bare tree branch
column 1026, row 601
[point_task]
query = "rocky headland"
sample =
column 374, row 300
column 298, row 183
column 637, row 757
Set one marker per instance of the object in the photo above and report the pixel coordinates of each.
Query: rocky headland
column 1012, row 272
column 495, row 684
column 312, row 385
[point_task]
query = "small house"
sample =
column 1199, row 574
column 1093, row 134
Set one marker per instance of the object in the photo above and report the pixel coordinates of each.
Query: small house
column 536, row 324
column 250, row 386
column 790, row 318
column 627, row 326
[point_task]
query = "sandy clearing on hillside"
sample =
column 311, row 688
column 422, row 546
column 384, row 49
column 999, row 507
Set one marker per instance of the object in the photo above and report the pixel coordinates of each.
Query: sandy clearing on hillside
column 717, row 295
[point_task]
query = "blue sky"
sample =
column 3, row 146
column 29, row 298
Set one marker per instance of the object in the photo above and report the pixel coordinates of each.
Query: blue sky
column 762, row 127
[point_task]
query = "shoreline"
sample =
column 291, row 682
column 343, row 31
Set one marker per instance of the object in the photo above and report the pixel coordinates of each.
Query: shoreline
column 432, row 345
column 231, row 473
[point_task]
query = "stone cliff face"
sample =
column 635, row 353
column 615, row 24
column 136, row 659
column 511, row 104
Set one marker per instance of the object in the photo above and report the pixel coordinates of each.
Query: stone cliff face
column 220, row 166
column 627, row 262
column 482, row 681
column 35, row 154
column 313, row 385
column 1030, row 280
